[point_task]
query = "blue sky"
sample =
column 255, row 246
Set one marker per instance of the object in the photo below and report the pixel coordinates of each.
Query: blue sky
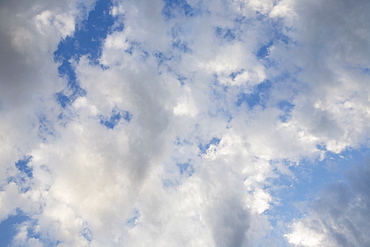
column 184, row 123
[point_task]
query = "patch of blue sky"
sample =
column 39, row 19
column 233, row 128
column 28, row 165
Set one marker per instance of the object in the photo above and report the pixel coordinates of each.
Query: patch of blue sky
column 310, row 177
column 259, row 96
column 233, row 75
column 204, row 147
column 174, row 8
column 23, row 167
column 8, row 228
column 163, row 64
column 162, row 57
column 279, row 31
column 181, row 46
column 278, row 35
column 111, row 121
column 264, row 50
column 235, row 31
column 66, row 116
column 47, row 242
column 366, row 70
column 64, row 100
column 181, row 79
column 45, row 239
column 178, row 42
column 139, row 50
column 86, row 233
column 362, row 69
column 134, row 218
column 89, row 35
column 181, row 142
column 46, row 128
column 185, row 169
column 144, row 55
column 286, row 107
column 136, row 48
column 169, row 183
column 131, row 49
column 87, row 40
column 225, row 34
column 22, row 181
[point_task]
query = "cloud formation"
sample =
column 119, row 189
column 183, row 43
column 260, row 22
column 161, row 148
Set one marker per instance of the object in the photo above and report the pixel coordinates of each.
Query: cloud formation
column 168, row 123
column 338, row 216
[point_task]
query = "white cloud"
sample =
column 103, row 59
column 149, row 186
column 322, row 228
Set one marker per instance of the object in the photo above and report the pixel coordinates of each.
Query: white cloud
column 100, row 186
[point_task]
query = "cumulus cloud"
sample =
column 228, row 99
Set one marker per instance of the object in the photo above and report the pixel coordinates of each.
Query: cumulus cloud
column 165, row 123
column 30, row 32
column 329, row 61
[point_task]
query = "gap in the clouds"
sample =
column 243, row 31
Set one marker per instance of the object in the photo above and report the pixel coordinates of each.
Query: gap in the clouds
column 24, row 175
column 162, row 58
column 278, row 36
column 204, row 147
column 177, row 169
column 89, row 35
column 66, row 116
column 310, row 176
column 8, row 227
column 233, row 75
column 87, row 41
column 133, row 218
column 225, row 34
column 137, row 48
column 169, row 183
column 235, row 32
column 174, row 8
column 178, row 42
column 280, row 31
column 117, row 114
column 86, row 232
column 264, row 50
column 46, row 128
column 23, row 167
column 286, row 107
column 259, row 96
column 181, row 79
column 366, row 71
column 185, row 168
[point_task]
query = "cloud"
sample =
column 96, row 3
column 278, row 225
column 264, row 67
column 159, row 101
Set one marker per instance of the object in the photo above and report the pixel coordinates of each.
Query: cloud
column 169, row 125
column 337, row 216
column 328, row 61
column 29, row 36
column 28, row 75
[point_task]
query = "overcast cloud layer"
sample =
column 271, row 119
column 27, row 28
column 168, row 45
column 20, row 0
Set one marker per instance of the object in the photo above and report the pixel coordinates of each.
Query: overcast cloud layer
column 180, row 123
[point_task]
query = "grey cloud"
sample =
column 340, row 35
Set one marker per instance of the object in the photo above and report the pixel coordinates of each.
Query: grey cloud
column 230, row 223
column 327, row 57
column 29, row 34
column 95, row 177
column 340, row 216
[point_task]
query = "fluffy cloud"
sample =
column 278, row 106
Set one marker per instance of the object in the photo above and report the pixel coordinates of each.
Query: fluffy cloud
column 188, row 111
column 331, row 66
column 29, row 78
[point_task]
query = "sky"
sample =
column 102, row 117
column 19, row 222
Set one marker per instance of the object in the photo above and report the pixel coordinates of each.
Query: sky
column 184, row 123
